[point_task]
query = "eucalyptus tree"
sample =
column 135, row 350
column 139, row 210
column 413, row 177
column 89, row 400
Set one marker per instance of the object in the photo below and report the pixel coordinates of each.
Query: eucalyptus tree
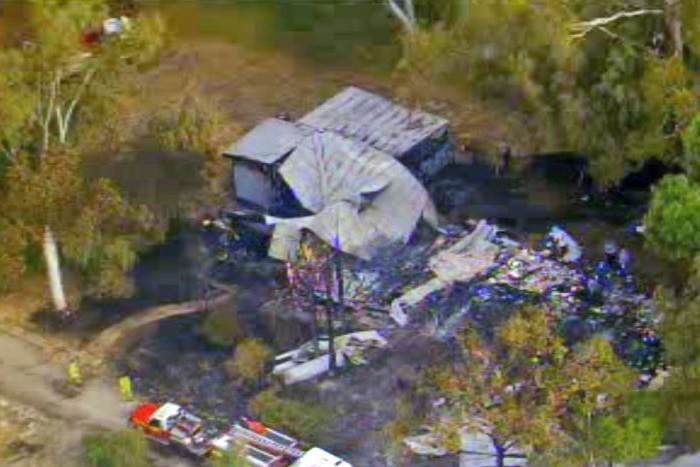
column 613, row 79
column 535, row 397
column 55, row 93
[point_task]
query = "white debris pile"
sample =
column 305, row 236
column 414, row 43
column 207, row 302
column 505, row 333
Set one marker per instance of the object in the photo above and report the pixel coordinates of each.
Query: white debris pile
column 312, row 358
column 476, row 448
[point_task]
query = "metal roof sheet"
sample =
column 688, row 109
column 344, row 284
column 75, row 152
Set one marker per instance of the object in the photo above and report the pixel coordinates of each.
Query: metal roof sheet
column 362, row 198
column 361, row 115
column 269, row 141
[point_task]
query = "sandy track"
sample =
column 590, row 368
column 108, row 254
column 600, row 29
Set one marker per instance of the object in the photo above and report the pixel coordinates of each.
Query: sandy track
column 26, row 376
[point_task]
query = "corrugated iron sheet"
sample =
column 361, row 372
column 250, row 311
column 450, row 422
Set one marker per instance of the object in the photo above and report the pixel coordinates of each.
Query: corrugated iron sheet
column 362, row 199
column 366, row 117
column 269, row 141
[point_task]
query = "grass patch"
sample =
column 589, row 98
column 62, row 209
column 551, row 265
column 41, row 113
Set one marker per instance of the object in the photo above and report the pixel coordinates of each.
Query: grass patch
column 304, row 420
column 126, row 448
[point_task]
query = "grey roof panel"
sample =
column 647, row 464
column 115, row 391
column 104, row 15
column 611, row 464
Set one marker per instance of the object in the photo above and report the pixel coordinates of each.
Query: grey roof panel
column 358, row 114
column 332, row 176
column 269, row 141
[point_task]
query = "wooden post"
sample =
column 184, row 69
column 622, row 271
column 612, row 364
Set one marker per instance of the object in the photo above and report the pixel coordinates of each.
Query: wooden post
column 341, row 287
column 339, row 274
column 330, row 305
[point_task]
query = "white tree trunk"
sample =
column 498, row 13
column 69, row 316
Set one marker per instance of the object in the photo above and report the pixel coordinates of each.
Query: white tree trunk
column 673, row 23
column 406, row 17
column 54, row 270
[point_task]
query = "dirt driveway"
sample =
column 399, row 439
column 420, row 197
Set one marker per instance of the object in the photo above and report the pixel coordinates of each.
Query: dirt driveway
column 25, row 378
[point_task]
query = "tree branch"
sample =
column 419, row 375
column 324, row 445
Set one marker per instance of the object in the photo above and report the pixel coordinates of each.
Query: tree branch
column 53, row 89
column 59, row 120
column 402, row 16
column 8, row 152
column 581, row 29
column 74, row 102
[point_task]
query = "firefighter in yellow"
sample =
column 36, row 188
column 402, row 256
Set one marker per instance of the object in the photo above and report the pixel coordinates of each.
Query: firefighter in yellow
column 125, row 389
column 75, row 376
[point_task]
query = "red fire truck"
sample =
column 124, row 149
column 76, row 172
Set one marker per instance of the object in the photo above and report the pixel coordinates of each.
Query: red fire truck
column 170, row 424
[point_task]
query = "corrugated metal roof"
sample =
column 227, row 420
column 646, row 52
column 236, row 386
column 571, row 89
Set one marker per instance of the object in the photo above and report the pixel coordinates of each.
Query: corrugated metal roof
column 362, row 199
column 366, row 117
column 269, row 141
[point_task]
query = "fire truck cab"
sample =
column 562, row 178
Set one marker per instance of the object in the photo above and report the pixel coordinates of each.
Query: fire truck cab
column 171, row 424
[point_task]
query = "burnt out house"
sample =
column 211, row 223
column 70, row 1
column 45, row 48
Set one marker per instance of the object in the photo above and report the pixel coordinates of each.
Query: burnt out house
column 418, row 140
column 346, row 193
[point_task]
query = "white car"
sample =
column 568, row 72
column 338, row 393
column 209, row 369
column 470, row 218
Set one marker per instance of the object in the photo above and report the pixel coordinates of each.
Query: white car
column 317, row 457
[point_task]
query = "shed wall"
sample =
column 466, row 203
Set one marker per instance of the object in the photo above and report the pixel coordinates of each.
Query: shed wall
column 253, row 185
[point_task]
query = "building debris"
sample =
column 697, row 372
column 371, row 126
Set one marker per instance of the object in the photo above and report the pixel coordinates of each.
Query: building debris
column 471, row 256
column 427, row 444
column 311, row 359
column 476, row 448
column 361, row 200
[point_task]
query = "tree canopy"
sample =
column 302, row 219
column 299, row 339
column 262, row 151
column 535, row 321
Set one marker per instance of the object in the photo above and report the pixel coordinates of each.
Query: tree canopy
column 601, row 77
column 673, row 218
column 99, row 231
column 525, row 389
column 56, row 92
column 55, row 95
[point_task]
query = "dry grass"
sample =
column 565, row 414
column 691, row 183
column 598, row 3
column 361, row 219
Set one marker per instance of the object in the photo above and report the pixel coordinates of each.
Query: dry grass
column 30, row 296
column 252, row 85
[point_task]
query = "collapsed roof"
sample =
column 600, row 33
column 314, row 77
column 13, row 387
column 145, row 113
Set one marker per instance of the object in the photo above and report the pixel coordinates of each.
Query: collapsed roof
column 362, row 199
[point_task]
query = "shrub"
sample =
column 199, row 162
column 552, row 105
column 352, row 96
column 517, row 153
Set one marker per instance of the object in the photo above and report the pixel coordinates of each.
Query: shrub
column 221, row 327
column 302, row 419
column 248, row 363
column 126, row 448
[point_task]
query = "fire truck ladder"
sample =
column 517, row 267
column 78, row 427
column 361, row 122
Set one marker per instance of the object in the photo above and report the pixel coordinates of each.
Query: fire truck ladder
column 260, row 458
column 271, row 440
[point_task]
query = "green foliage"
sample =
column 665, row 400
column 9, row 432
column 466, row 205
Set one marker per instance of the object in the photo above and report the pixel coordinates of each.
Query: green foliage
column 631, row 435
column 55, row 93
column 127, row 448
column 682, row 405
column 673, row 218
column 302, row 419
column 99, row 232
column 188, row 124
column 525, row 388
column 15, row 104
column 53, row 97
column 249, row 361
column 221, row 326
column 691, row 145
column 606, row 93
column 681, row 400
